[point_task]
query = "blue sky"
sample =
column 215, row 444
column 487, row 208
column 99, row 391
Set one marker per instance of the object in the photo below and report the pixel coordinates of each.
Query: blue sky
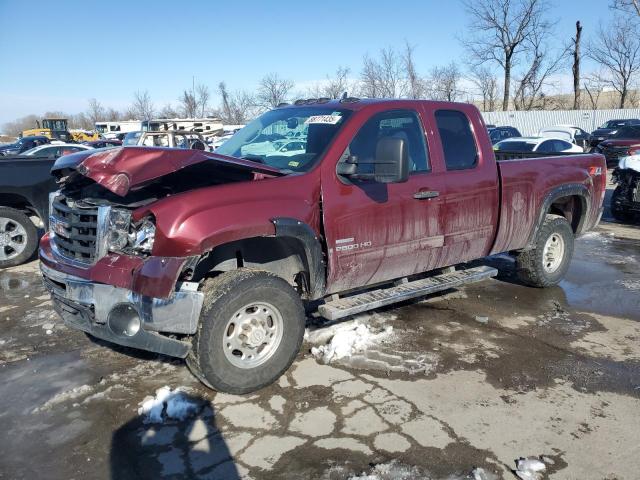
column 55, row 55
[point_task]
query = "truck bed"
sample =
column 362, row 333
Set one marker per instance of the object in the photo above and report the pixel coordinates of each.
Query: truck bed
column 527, row 181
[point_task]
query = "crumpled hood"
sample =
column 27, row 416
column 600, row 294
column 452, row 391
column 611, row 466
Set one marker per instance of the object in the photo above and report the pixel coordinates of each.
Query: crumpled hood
column 121, row 169
column 602, row 132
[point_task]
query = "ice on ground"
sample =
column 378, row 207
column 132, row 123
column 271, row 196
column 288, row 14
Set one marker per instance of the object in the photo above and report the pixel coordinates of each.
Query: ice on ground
column 348, row 340
column 64, row 396
column 630, row 284
column 392, row 470
column 168, row 404
column 529, row 468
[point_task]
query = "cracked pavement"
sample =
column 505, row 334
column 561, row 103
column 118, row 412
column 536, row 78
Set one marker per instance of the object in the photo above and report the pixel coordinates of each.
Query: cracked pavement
column 554, row 372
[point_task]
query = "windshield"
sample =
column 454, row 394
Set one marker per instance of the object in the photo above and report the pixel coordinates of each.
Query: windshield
column 628, row 132
column 615, row 123
column 514, row 146
column 287, row 138
column 131, row 138
column 54, row 124
column 101, row 127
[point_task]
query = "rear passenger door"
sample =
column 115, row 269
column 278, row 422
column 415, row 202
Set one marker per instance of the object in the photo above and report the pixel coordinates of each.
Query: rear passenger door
column 470, row 204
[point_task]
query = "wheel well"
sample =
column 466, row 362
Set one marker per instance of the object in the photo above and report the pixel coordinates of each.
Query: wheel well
column 571, row 207
column 282, row 256
column 16, row 201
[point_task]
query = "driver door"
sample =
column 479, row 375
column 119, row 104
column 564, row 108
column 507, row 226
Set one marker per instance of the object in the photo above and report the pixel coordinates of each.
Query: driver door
column 377, row 232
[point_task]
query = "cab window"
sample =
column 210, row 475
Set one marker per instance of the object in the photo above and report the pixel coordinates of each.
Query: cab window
column 402, row 124
column 458, row 142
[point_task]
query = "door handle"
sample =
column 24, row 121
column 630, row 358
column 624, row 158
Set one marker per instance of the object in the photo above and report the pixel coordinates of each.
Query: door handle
column 425, row 194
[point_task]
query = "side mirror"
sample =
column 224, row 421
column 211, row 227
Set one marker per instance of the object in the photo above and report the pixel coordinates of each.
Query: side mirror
column 390, row 165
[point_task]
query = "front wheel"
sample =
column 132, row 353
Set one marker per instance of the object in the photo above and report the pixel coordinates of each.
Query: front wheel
column 18, row 237
column 251, row 328
column 547, row 262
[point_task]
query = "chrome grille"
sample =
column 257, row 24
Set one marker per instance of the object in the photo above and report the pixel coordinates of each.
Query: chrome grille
column 75, row 230
column 636, row 190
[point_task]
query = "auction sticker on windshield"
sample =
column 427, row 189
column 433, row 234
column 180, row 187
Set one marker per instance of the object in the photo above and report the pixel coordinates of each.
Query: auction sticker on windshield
column 326, row 119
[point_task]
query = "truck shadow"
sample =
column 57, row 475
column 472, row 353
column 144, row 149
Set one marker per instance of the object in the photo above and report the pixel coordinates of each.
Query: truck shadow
column 171, row 448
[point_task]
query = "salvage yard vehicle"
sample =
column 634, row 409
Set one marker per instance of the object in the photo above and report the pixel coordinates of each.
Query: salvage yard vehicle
column 55, row 150
column 537, row 144
column 625, row 201
column 569, row 133
column 22, row 145
column 610, row 128
column 625, row 142
column 213, row 257
column 497, row 134
column 25, row 184
column 172, row 139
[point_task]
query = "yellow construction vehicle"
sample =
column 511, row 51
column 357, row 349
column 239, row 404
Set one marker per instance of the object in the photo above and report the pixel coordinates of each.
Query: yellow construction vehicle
column 56, row 129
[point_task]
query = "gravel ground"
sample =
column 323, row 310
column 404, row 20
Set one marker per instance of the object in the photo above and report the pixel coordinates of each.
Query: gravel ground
column 477, row 377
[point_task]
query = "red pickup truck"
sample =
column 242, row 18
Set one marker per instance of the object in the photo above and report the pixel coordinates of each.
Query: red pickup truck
column 342, row 206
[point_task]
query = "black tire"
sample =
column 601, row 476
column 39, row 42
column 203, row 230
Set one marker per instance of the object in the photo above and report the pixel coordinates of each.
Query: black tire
column 29, row 240
column 618, row 211
column 532, row 266
column 227, row 294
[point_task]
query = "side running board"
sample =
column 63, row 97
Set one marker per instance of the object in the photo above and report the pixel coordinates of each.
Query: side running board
column 362, row 302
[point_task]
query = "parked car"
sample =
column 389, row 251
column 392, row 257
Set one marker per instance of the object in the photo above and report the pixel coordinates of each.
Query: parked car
column 25, row 184
column 103, row 143
column 609, row 129
column 567, row 132
column 131, row 138
column 56, row 150
column 498, row 134
column 23, row 144
column 212, row 258
column 173, row 139
column 537, row 144
column 619, row 145
column 625, row 201
column 219, row 141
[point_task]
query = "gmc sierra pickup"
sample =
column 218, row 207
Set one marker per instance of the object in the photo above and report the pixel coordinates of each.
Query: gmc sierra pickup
column 213, row 257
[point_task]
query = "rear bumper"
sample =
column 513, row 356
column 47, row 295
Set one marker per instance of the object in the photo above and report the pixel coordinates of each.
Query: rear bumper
column 89, row 307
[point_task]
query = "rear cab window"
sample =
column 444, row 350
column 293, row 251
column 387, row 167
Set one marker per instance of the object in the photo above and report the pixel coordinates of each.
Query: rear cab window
column 458, row 142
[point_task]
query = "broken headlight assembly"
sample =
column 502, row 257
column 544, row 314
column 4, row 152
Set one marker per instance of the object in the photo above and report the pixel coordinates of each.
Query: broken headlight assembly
column 123, row 235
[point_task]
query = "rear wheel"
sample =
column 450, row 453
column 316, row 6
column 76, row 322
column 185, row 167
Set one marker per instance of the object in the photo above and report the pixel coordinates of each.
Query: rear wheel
column 251, row 329
column 547, row 262
column 18, row 237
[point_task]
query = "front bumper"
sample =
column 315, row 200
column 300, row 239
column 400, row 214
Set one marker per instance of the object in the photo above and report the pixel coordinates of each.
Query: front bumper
column 89, row 307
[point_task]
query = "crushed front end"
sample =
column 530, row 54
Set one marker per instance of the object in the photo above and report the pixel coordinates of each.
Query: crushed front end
column 95, row 264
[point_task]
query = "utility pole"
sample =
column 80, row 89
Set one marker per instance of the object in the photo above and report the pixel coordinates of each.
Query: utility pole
column 576, row 67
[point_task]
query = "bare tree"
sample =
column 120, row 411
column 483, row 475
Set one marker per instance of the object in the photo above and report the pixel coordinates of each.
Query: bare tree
column 112, row 115
column 593, row 85
column 487, row 85
column 499, row 30
column 168, row 112
column 617, row 50
column 382, row 77
column 95, row 112
column 627, row 6
column 188, row 104
column 17, row 126
column 238, row 107
column 273, row 90
column 142, row 107
column 415, row 84
column 576, row 66
column 444, row 83
column 542, row 65
column 338, row 84
column 202, row 99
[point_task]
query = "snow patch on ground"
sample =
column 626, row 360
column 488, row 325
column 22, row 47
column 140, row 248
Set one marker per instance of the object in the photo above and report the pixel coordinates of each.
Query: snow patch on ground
column 391, row 471
column 168, row 404
column 630, row 284
column 348, row 340
column 65, row 396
